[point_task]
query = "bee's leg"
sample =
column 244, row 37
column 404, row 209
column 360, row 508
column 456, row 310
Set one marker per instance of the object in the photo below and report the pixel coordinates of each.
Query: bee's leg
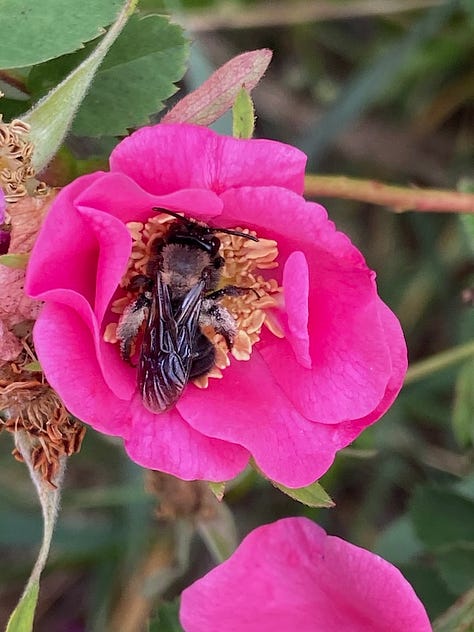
column 205, row 355
column 231, row 290
column 140, row 282
column 130, row 322
column 219, row 318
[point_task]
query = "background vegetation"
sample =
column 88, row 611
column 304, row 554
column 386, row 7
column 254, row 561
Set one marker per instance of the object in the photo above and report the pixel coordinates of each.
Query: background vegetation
column 380, row 90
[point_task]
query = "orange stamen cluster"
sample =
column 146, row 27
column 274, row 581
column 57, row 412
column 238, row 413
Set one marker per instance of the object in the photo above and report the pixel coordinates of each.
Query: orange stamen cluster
column 245, row 261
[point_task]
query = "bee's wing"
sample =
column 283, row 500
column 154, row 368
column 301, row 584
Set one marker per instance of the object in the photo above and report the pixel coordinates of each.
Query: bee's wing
column 167, row 348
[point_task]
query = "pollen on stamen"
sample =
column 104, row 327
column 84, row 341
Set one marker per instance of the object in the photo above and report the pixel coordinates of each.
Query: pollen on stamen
column 246, row 263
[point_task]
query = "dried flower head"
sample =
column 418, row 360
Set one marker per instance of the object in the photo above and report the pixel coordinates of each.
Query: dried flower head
column 17, row 174
column 29, row 404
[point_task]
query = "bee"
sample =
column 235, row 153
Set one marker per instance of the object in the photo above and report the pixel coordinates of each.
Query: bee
column 178, row 296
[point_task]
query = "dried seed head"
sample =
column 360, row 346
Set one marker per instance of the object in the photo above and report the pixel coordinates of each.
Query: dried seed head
column 16, row 168
column 30, row 404
column 245, row 263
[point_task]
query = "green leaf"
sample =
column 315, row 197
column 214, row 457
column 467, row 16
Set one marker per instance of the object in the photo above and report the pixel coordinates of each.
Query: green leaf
column 456, row 568
column 313, row 495
column 11, row 260
column 51, row 118
column 218, row 490
column 442, row 517
column 467, row 223
column 21, row 619
column 167, row 619
column 463, row 410
column 216, row 95
column 34, row 367
column 137, row 75
column 429, row 587
column 33, row 32
column 243, row 115
column 398, row 543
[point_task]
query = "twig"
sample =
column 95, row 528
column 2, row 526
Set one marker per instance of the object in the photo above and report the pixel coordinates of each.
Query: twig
column 399, row 199
column 284, row 13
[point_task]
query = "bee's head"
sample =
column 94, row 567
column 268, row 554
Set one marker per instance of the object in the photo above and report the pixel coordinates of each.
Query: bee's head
column 192, row 233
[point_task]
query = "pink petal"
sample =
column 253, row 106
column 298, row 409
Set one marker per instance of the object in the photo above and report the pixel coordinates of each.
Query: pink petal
column 65, row 252
column 166, row 158
column 2, row 206
column 290, row 575
column 248, row 407
column 296, row 293
column 164, row 442
column 68, row 357
column 119, row 195
column 350, row 353
column 167, row 443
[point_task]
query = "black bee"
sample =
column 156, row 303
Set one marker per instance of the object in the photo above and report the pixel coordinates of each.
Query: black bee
column 180, row 296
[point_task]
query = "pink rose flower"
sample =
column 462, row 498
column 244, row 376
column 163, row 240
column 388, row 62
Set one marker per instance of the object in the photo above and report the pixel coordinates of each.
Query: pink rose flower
column 299, row 398
column 291, row 575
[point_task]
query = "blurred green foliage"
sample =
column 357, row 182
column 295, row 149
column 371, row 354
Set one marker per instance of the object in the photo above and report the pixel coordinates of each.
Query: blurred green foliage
column 382, row 96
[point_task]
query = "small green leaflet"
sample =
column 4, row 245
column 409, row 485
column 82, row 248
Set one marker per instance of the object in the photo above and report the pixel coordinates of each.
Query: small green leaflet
column 243, row 115
column 218, row 490
column 313, row 495
column 18, row 261
column 21, row 619
column 463, row 416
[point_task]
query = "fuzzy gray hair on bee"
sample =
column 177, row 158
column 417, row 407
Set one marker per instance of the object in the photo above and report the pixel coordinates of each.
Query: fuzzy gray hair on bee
column 177, row 297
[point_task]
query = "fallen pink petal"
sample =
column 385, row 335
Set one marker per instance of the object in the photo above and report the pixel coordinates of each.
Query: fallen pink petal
column 291, row 575
column 318, row 359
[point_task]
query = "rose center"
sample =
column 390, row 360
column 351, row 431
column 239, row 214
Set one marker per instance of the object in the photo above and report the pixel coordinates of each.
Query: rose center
column 245, row 266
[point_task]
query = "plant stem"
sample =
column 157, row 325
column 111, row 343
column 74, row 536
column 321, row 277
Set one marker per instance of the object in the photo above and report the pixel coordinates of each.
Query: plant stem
column 440, row 361
column 399, row 199
column 279, row 13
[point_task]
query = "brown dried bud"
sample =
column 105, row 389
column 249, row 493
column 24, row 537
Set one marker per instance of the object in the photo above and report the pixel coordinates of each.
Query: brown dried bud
column 181, row 499
column 16, row 169
column 30, row 405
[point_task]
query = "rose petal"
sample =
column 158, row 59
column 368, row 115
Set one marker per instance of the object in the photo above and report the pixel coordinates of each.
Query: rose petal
column 167, row 443
column 2, row 206
column 290, row 575
column 248, row 407
column 350, row 354
column 65, row 254
column 163, row 442
column 296, row 291
column 119, row 195
column 166, row 158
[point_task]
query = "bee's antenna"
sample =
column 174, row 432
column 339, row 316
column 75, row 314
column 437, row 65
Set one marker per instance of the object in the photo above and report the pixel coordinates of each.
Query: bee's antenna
column 173, row 214
column 237, row 233
column 188, row 221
